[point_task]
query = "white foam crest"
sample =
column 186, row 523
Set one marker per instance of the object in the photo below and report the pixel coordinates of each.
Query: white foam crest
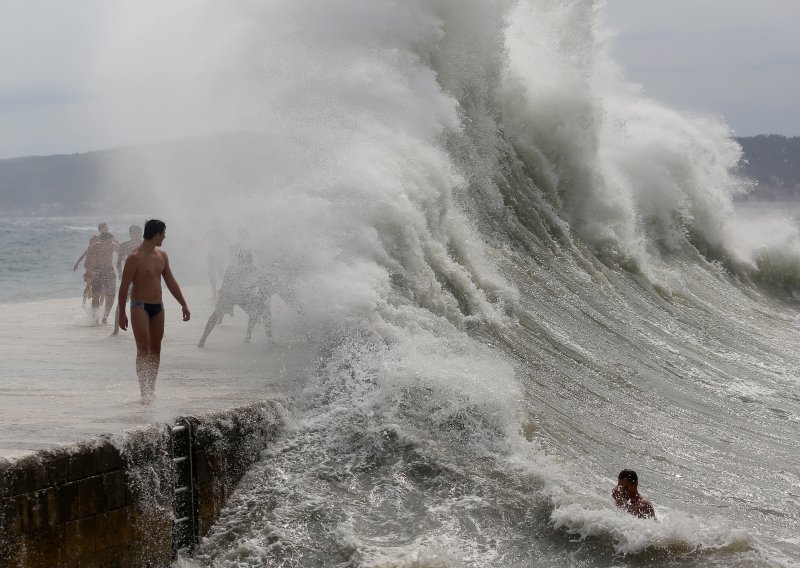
column 631, row 535
column 418, row 381
column 632, row 177
column 347, row 180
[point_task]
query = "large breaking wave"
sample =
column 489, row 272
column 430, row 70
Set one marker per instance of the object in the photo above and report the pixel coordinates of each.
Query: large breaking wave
column 522, row 275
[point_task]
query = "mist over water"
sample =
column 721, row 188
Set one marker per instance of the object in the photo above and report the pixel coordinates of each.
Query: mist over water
column 521, row 276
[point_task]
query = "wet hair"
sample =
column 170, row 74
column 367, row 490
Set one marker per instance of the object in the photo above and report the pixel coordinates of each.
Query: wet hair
column 153, row 227
column 135, row 231
column 630, row 475
column 106, row 236
column 100, row 227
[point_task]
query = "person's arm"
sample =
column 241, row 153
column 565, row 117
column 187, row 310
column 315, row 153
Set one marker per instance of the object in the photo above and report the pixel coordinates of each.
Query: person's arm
column 618, row 497
column 174, row 289
column 646, row 509
column 77, row 262
column 124, row 282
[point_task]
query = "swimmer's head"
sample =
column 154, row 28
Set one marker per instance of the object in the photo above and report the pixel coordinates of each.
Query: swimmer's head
column 106, row 236
column 135, row 231
column 103, row 228
column 627, row 483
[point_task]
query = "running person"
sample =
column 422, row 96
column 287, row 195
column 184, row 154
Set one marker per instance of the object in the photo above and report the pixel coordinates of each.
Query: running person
column 87, row 275
column 144, row 269
column 240, row 288
column 99, row 262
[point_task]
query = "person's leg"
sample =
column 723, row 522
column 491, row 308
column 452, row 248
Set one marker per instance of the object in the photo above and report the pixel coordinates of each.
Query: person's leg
column 212, row 321
column 252, row 320
column 108, row 281
column 109, row 304
column 156, row 335
column 97, row 295
column 140, row 323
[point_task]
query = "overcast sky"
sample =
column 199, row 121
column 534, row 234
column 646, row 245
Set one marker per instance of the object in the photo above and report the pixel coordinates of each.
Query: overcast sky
column 735, row 58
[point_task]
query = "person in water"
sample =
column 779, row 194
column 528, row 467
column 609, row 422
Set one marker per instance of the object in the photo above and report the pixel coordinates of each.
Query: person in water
column 125, row 249
column 144, row 268
column 626, row 496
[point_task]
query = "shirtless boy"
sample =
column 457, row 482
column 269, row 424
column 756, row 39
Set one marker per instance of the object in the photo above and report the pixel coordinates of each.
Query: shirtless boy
column 144, row 268
column 626, row 495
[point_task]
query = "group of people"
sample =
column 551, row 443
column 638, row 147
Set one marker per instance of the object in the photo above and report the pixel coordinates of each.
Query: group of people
column 141, row 265
column 237, row 281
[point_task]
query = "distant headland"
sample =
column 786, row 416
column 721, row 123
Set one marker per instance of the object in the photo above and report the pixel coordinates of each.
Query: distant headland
column 69, row 184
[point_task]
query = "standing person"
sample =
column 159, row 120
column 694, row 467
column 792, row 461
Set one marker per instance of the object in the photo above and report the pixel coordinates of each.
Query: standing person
column 144, row 269
column 102, row 229
column 99, row 262
column 626, row 495
column 126, row 248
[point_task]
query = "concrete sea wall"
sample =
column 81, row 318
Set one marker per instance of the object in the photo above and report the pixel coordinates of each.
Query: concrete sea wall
column 131, row 501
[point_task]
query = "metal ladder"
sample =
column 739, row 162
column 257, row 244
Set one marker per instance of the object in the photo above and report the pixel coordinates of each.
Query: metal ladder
column 184, row 526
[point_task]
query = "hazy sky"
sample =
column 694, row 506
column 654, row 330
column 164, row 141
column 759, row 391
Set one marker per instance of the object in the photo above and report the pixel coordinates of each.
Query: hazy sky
column 735, row 58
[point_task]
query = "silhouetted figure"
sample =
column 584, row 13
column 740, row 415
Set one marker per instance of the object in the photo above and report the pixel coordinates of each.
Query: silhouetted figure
column 240, row 287
column 626, row 495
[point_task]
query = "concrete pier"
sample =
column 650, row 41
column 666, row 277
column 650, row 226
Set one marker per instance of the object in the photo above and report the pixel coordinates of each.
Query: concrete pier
column 112, row 501
column 88, row 475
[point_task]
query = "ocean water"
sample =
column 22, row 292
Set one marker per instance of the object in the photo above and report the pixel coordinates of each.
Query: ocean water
column 520, row 273
column 38, row 254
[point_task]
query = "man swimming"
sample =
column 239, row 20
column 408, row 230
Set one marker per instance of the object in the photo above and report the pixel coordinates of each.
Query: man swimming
column 144, row 268
column 626, row 495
